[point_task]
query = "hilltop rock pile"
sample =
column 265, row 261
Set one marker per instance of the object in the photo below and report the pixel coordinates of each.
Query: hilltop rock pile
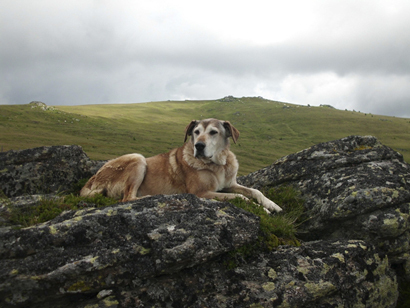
column 228, row 99
column 172, row 251
column 41, row 105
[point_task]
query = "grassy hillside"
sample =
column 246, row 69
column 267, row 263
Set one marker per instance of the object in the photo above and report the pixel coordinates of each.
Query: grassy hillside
column 269, row 130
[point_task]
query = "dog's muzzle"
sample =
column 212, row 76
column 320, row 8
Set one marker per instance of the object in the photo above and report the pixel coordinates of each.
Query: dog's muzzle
column 200, row 147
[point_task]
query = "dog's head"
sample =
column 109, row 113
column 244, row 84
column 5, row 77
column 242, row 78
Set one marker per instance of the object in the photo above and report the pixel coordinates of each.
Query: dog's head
column 210, row 137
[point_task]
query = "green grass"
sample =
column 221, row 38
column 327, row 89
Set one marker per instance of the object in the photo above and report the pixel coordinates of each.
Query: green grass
column 275, row 229
column 268, row 130
column 278, row 228
column 47, row 209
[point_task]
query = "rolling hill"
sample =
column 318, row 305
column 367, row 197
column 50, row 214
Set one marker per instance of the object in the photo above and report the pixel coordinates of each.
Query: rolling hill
column 269, row 129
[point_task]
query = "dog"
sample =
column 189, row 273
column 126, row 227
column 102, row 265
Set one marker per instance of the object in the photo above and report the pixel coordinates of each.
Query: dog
column 203, row 166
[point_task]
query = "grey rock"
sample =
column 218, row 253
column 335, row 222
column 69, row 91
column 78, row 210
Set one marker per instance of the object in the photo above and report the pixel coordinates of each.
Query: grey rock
column 44, row 170
column 170, row 251
column 41, row 105
column 84, row 252
column 317, row 274
column 228, row 99
column 355, row 188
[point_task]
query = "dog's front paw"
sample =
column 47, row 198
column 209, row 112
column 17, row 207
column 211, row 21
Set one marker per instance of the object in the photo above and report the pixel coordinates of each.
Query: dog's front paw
column 271, row 206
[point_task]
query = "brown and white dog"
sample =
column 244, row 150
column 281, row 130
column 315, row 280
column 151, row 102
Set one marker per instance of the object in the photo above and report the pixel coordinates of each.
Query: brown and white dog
column 203, row 166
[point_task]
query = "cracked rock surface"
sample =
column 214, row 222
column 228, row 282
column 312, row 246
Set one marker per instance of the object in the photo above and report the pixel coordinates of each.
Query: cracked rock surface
column 170, row 251
column 86, row 251
column 355, row 188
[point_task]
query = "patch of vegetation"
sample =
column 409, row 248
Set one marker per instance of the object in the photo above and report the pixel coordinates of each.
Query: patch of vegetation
column 49, row 208
column 268, row 131
column 76, row 187
column 275, row 229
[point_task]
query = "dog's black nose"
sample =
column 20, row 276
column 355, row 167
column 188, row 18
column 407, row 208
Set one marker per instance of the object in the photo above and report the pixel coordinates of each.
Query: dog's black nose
column 200, row 146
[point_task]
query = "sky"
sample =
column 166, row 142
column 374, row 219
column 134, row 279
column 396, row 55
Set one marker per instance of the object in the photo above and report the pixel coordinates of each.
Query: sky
column 350, row 54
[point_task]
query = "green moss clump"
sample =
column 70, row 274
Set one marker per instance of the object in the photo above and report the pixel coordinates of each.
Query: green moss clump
column 47, row 209
column 278, row 228
column 275, row 229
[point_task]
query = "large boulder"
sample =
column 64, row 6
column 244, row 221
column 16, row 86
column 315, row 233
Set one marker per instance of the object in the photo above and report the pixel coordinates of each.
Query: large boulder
column 317, row 274
column 79, row 254
column 170, row 251
column 355, row 188
column 44, row 169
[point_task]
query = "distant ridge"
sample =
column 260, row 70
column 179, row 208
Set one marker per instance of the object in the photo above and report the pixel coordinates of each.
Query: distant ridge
column 269, row 129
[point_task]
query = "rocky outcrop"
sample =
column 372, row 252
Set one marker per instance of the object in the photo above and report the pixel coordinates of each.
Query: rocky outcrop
column 317, row 274
column 168, row 251
column 355, row 188
column 42, row 106
column 228, row 99
column 79, row 254
column 44, row 170
column 177, row 251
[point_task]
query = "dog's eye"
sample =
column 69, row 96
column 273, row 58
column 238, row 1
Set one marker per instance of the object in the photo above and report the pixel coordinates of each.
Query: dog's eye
column 196, row 132
column 213, row 132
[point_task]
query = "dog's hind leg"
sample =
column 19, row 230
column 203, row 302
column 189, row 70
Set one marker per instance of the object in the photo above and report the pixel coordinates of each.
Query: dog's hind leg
column 135, row 172
column 88, row 190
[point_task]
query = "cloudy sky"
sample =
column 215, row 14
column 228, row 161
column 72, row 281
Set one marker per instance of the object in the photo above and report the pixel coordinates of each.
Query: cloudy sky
column 351, row 54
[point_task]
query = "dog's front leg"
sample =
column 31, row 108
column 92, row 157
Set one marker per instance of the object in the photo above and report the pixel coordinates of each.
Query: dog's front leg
column 256, row 194
column 220, row 195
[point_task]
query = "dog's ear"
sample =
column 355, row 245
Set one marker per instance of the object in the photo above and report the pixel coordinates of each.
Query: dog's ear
column 231, row 131
column 189, row 129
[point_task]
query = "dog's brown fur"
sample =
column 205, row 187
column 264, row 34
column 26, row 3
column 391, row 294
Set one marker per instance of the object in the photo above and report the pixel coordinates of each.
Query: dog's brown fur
column 203, row 166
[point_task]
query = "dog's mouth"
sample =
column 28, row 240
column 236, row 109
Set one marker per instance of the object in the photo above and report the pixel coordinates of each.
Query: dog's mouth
column 202, row 156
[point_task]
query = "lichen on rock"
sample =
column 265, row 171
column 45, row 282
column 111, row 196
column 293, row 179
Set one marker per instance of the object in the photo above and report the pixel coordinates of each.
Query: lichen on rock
column 355, row 188
column 44, row 170
column 68, row 255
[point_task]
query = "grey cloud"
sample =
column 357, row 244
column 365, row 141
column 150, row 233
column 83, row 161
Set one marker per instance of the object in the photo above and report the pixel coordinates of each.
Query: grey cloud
column 95, row 56
column 384, row 94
